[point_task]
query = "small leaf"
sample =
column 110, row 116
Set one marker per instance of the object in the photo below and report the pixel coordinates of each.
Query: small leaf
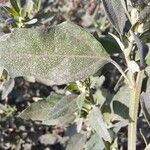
column 29, row 7
column 109, row 44
column 15, row 5
column 133, row 66
column 145, row 37
column 97, row 123
column 95, row 143
column 33, row 21
column 61, row 54
column 37, row 4
column 77, row 142
column 80, row 101
column 118, row 41
column 8, row 86
column 148, row 55
column 11, row 11
column 116, row 14
column 142, row 48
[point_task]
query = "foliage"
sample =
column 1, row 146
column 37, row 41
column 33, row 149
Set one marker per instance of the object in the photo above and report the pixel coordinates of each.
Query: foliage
column 68, row 54
column 22, row 12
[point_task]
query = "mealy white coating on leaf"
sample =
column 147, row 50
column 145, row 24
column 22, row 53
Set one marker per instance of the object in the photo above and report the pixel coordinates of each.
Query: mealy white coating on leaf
column 63, row 111
column 38, row 111
column 57, row 55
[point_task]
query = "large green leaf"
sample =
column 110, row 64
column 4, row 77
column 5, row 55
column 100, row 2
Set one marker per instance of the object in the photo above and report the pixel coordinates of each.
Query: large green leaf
column 56, row 109
column 57, row 55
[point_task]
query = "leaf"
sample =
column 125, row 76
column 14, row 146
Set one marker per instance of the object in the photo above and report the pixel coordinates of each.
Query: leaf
column 63, row 111
column 77, row 142
column 112, row 47
column 80, row 101
column 37, row 4
column 122, row 47
column 8, row 86
column 55, row 110
column 116, row 14
column 145, row 37
column 58, row 55
column 29, row 7
column 148, row 55
column 39, row 110
column 121, row 102
column 97, row 123
column 142, row 48
column 15, row 5
column 145, row 102
column 12, row 11
column 95, row 143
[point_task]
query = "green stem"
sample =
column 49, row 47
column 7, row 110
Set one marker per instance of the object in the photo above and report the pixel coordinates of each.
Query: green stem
column 133, row 111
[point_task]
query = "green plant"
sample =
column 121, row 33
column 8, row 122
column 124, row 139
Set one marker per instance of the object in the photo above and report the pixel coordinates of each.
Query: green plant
column 66, row 53
column 23, row 12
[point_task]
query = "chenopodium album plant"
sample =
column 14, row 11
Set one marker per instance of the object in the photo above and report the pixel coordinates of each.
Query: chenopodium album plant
column 68, row 54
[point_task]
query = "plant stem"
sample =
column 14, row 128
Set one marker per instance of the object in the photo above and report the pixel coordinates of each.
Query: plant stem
column 133, row 111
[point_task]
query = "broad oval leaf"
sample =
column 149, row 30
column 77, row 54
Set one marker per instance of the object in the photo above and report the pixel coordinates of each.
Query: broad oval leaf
column 55, row 110
column 38, row 111
column 57, row 55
